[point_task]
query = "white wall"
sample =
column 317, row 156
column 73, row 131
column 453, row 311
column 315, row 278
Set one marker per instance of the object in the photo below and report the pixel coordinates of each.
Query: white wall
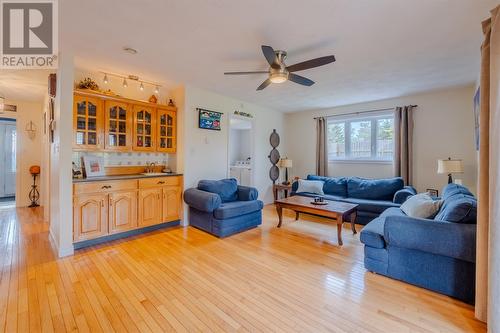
column 29, row 152
column 205, row 152
column 443, row 127
column 61, row 190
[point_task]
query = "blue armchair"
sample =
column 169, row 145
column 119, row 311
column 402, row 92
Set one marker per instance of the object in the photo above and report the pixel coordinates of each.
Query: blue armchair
column 223, row 208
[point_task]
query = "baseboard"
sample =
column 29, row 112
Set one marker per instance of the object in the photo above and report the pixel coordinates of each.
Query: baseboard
column 108, row 238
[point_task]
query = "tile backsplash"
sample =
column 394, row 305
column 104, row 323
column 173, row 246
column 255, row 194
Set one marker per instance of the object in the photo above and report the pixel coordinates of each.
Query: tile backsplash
column 124, row 159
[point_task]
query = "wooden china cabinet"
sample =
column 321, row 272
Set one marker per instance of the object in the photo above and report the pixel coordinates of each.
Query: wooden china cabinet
column 117, row 126
column 114, row 123
column 144, row 129
column 166, row 131
column 87, row 123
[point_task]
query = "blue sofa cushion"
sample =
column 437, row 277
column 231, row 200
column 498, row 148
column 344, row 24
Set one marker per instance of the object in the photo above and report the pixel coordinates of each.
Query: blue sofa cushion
column 373, row 233
column 227, row 189
column 333, row 185
column 237, row 208
column 459, row 208
column 374, row 189
column 451, row 189
column 374, row 206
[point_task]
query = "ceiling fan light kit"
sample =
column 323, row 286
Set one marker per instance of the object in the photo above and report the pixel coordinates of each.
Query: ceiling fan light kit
column 278, row 71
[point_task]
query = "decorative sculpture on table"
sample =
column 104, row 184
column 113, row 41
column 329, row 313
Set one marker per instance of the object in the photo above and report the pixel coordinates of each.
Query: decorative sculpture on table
column 274, row 156
column 34, row 195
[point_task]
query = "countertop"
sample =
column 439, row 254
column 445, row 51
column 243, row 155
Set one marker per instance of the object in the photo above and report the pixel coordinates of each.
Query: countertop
column 139, row 176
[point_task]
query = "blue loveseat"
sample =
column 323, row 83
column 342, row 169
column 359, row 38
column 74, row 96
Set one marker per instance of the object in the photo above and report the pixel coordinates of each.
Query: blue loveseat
column 222, row 207
column 372, row 195
column 437, row 254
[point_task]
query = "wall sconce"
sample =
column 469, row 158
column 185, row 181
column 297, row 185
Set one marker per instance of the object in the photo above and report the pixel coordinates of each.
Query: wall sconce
column 31, row 130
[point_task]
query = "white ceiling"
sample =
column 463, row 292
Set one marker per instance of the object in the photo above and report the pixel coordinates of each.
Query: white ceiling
column 24, row 85
column 384, row 48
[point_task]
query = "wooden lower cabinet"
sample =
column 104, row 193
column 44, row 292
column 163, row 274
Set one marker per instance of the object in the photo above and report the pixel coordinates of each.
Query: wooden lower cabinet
column 90, row 216
column 122, row 211
column 110, row 207
column 150, row 206
column 171, row 205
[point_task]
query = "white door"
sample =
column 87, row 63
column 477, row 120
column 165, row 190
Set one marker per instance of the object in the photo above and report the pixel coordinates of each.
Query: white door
column 8, row 138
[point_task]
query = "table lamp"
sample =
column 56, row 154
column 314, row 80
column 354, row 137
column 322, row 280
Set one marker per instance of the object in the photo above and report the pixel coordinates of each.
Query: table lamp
column 285, row 163
column 450, row 166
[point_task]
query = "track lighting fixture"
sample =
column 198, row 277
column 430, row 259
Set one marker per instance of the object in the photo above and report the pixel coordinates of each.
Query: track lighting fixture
column 106, row 80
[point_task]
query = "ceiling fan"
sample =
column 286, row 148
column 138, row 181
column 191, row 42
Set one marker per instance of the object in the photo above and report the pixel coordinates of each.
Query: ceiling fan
column 279, row 72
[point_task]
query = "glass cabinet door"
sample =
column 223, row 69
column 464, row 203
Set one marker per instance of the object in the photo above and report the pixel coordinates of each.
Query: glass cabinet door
column 87, row 123
column 166, row 131
column 117, row 126
column 144, row 130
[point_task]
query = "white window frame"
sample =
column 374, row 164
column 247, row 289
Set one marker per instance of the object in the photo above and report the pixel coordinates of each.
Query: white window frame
column 347, row 120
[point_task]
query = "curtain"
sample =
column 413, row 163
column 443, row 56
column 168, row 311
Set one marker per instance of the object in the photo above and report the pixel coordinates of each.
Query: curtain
column 488, row 229
column 321, row 147
column 403, row 143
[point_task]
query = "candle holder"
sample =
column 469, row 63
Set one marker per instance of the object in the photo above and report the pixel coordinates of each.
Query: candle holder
column 34, row 195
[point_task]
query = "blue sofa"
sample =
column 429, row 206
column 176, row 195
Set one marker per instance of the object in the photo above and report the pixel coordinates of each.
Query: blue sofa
column 372, row 195
column 222, row 207
column 437, row 254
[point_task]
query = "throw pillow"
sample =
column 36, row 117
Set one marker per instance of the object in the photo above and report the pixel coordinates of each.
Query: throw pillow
column 310, row 186
column 421, row 205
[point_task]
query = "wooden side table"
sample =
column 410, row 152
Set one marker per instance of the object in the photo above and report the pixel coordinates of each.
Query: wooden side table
column 286, row 189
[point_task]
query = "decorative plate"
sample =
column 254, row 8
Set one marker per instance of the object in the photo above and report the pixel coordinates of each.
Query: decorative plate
column 274, row 139
column 274, row 173
column 322, row 203
column 274, row 156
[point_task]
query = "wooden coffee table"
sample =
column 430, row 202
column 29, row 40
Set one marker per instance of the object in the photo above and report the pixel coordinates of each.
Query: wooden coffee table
column 335, row 210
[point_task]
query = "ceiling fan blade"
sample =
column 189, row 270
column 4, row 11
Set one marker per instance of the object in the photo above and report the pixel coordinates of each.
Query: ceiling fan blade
column 264, row 84
column 245, row 73
column 270, row 56
column 311, row 63
column 300, row 79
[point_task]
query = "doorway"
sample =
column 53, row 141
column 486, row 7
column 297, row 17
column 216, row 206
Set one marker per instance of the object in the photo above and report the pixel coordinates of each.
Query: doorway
column 8, row 142
column 241, row 150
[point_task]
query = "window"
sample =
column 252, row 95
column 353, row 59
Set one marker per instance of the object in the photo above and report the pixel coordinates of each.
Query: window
column 361, row 138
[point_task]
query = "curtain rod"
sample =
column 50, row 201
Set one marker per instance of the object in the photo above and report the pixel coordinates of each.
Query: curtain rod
column 359, row 112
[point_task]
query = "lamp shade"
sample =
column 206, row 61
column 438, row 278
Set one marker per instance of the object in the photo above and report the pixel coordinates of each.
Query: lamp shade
column 450, row 166
column 285, row 163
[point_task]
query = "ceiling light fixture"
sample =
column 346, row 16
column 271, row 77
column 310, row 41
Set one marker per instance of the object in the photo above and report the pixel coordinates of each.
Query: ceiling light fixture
column 142, row 83
column 278, row 77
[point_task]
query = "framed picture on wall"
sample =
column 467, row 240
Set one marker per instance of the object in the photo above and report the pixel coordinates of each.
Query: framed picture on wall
column 209, row 119
column 93, row 166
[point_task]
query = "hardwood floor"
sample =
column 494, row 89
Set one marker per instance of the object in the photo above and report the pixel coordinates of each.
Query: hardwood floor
column 291, row 279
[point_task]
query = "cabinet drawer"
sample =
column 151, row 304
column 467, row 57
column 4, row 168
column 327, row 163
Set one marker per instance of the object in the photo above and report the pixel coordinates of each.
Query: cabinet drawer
column 159, row 181
column 105, row 186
